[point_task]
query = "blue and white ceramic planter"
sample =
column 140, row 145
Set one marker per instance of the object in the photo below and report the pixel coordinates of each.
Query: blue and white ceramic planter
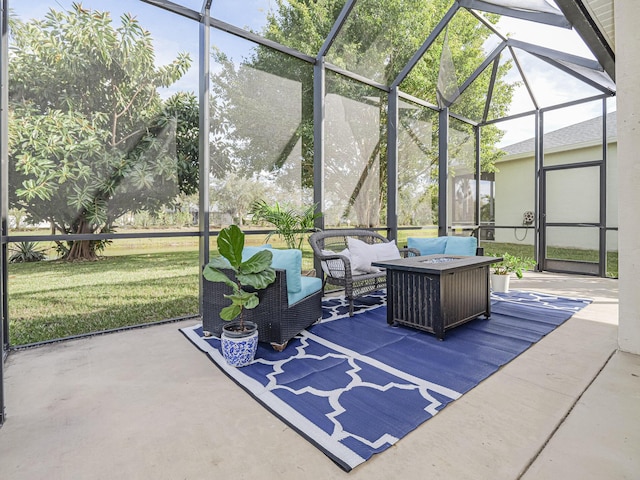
column 239, row 348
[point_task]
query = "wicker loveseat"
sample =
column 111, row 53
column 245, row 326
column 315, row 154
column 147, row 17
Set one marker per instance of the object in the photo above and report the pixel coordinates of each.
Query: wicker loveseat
column 283, row 311
column 331, row 247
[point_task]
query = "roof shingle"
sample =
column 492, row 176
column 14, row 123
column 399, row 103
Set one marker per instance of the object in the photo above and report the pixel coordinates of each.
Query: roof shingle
column 578, row 133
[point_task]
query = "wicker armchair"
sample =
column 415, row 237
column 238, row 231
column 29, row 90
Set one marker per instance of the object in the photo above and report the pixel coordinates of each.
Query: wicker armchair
column 278, row 322
column 327, row 246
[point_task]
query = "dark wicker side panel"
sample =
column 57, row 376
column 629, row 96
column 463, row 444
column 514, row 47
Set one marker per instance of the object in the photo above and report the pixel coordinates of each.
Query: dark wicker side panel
column 272, row 300
column 297, row 317
column 277, row 321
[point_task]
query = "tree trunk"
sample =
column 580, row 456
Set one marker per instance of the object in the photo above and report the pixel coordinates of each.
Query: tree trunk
column 82, row 249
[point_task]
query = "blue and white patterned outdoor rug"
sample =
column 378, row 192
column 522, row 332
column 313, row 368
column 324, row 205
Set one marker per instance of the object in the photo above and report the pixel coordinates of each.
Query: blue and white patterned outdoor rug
column 355, row 386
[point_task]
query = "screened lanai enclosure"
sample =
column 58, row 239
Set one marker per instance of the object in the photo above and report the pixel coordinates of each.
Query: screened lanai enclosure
column 133, row 131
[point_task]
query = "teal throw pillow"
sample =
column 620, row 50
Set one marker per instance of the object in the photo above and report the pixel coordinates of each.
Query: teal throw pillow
column 461, row 246
column 428, row 246
column 291, row 261
column 248, row 252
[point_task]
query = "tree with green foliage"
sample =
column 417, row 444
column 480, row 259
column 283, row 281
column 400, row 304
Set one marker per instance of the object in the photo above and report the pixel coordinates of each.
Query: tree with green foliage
column 183, row 106
column 376, row 41
column 235, row 194
column 89, row 135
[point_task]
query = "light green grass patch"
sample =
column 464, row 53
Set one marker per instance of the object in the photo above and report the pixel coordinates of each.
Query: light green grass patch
column 50, row 300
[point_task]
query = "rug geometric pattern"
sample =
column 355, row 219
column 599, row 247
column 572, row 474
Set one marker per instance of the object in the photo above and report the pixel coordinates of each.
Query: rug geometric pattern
column 354, row 386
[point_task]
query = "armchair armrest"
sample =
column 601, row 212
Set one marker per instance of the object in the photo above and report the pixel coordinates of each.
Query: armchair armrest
column 409, row 252
column 336, row 265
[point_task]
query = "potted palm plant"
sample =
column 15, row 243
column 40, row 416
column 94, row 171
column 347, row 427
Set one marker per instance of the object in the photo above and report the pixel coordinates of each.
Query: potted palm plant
column 291, row 225
column 239, row 338
column 510, row 264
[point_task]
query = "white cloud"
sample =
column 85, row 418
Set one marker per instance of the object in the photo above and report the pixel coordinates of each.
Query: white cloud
column 566, row 40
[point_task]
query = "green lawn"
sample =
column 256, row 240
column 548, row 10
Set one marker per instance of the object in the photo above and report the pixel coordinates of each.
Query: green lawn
column 575, row 254
column 54, row 299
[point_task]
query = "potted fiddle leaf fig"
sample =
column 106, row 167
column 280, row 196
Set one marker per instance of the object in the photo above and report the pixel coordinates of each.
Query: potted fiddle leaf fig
column 239, row 338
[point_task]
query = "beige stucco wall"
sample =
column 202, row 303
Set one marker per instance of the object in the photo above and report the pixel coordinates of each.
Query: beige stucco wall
column 627, row 19
column 514, row 194
column 571, row 196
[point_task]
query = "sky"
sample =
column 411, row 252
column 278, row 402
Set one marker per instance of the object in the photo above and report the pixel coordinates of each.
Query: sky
column 173, row 34
column 550, row 85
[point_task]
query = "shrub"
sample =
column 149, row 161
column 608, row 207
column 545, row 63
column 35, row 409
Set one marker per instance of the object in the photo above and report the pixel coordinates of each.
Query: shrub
column 27, row 252
column 292, row 225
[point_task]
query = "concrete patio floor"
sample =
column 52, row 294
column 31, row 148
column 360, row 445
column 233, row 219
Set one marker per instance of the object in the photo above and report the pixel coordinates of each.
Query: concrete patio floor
column 146, row 404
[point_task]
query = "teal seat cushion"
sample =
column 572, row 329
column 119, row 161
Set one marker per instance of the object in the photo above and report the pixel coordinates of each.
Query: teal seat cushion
column 428, row 246
column 309, row 285
column 461, row 246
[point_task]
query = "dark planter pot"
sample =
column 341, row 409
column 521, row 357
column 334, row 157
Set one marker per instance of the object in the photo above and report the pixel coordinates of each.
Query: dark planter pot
column 239, row 347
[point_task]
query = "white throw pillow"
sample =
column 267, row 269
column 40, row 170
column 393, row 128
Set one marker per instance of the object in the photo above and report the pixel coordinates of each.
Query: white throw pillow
column 386, row 251
column 362, row 254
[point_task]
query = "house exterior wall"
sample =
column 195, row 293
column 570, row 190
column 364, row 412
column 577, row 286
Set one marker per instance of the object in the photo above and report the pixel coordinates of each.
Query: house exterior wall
column 627, row 19
column 514, row 194
column 570, row 196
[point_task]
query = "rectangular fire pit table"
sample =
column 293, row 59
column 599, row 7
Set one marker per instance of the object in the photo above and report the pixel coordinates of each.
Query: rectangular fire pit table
column 437, row 292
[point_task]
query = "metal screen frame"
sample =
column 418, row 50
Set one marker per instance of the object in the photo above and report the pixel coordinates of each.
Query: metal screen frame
column 573, row 14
